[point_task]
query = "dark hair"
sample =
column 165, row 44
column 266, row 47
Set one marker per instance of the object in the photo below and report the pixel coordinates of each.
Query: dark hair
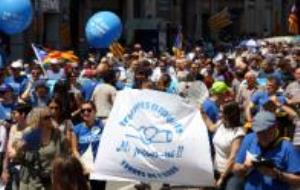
column 41, row 84
column 61, row 87
column 231, row 113
column 56, row 101
column 166, row 79
column 23, row 108
column 68, row 174
column 91, row 103
column 274, row 79
column 194, row 77
column 145, row 71
column 36, row 67
column 109, row 76
column 61, row 92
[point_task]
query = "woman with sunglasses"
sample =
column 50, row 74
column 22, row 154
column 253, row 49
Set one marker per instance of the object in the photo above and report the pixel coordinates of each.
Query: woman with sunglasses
column 87, row 137
column 41, row 143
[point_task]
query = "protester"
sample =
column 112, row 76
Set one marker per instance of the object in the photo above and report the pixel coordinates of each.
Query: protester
column 68, row 174
column 55, row 72
column 41, row 143
column 258, row 78
column 61, row 122
column 87, row 137
column 265, row 160
column 261, row 97
column 246, row 91
column 16, row 79
column 220, row 93
column 7, row 102
column 293, row 90
column 39, row 96
column 10, row 174
column 104, row 94
column 227, row 138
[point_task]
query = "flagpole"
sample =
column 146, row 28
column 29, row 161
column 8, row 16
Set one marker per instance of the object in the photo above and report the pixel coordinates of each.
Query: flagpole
column 39, row 61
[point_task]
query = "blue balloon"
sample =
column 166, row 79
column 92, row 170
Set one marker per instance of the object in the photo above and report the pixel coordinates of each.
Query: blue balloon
column 102, row 29
column 15, row 16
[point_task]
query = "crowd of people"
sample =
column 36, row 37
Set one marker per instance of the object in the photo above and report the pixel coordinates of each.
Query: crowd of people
column 52, row 116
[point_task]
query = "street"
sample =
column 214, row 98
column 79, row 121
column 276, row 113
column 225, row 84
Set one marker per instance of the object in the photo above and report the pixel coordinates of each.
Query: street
column 130, row 186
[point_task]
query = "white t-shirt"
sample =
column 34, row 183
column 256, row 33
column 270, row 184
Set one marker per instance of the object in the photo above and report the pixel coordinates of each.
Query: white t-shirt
column 222, row 141
column 56, row 76
column 3, row 138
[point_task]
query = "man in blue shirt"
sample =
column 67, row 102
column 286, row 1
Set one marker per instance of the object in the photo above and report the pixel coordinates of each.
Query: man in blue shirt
column 17, row 80
column 267, row 70
column 7, row 102
column 220, row 93
column 260, row 98
column 265, row 160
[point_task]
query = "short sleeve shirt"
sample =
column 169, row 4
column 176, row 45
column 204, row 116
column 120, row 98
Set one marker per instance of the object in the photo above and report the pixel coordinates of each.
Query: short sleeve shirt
column 262, row 97
column 88, row 136
column 284, row 156
column 222, row 141
column 211, row 109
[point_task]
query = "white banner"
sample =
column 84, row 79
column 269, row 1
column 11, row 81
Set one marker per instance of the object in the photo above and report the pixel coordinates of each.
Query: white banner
column 153, row 136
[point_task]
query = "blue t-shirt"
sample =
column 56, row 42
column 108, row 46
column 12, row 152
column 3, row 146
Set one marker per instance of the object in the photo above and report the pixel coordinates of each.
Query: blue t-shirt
column 284, row 156
column 211, row 109
column 33, row 139
column 51, row 84
column 173, row 87
column 18, row 84
column 2, row 59
column 5, row 111
column 87, row 88
column 262, row 97
column 275, row 74
column 86, row 136
column 36, row 101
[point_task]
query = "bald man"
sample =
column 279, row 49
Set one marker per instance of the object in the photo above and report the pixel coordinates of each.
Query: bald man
column 246, row 91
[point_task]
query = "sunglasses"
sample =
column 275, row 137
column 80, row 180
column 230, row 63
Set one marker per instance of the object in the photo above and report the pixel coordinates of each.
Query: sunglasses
column 89, row 110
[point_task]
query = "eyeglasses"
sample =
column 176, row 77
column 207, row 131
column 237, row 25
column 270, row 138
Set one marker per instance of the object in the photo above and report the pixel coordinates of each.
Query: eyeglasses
column 89, row 110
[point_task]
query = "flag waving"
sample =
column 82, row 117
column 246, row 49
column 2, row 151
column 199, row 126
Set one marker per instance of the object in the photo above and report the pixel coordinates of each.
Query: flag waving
column 220, row 20
column 117, row 49
column 178, row 39
column 177, row 46
column 293, row 21
column 40, row 53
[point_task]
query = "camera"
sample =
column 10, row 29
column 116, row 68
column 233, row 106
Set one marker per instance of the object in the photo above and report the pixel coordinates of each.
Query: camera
column 262, row 162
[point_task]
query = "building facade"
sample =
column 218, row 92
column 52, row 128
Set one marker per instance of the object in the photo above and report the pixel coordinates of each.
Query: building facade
column 61, row 24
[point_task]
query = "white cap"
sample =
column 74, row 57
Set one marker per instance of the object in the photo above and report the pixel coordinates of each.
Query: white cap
column 219, row 57
column 54, row 61
column 17, row 64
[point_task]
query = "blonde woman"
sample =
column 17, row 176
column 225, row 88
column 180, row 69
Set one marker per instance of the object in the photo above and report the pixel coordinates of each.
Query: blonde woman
column 41, row 143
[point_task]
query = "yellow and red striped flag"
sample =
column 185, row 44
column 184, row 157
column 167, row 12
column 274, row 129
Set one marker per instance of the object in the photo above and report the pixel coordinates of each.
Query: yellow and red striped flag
column 117, row 49
column 220, row 20
column 293, row 21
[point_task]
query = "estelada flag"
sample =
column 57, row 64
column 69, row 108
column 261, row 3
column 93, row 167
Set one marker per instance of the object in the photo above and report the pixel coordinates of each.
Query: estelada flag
column 220, row 20
column 117, row 49
column 293, row 21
